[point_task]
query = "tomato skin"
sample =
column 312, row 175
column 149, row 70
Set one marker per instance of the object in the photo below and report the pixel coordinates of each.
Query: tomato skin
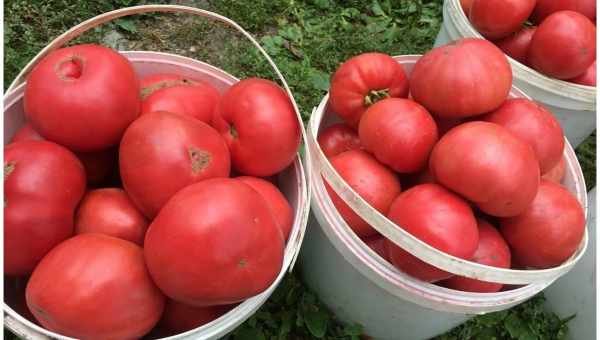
column 43, row 183
column 25, row 133
column 449, row 83
column 534, row 124
column 466, row 6
column 544, row 8
column 587, row 78
column 109, row 211
column 373, row 181
column 279, row 205
column 492, row 250
column 338, row 138
column 517, row 45
column 549, row 231
column 557, row 173
column 82, row 97
column 215, row 242
column 488, row 165
column 418, row 211
column 72, row 292
column 162, row 152
column 178, row 317
column 496, row 19
column 353, row 83
column 563, row 46
column 400, row 133
column 257, row 119
column 377, row 243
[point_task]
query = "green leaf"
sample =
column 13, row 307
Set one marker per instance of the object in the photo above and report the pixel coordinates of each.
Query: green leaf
column 246, row 333
column 317, row 321
column 376, row 8
column 518, row 329
column 319, row 80
column 126, row 24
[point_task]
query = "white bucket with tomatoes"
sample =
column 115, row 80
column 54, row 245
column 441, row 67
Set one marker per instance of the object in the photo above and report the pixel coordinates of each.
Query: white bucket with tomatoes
column 97, row 286
column 569, row 94
column 379, row 264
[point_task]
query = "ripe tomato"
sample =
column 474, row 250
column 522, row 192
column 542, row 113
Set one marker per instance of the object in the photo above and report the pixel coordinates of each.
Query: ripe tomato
column 43, row 183
column 466, row 6
column 544, row 8
column 338, row 138
column 82, row 97
column 163, row 152
column 535, row 125
column 516, row 45
column 588, row 77
column 400, row 133
column 280, row 207
column 435, row 216
column 371, row 180
column 557, row 173
column 215, row 242
column 109, row 211
column 257, row 119
column 563, row 46
column 363, row 80
column 549, row 231
column 465, row 78
column 488, row 165
column 94, row 286
column 178, row 317
column 377, row 243
column 496, row 19
column 492, row 250
column 25, row 133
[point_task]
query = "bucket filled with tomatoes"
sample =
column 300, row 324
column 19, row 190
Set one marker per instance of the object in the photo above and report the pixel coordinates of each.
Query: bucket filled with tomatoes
column 551, row 47
column 437, row 194
column 146, row 194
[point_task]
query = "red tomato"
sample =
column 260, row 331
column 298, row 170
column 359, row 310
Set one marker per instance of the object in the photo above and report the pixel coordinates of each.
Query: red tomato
column 516, row 45
column 178, row 317
column 488, row 165
column 163, row 152
column 215, row 242
column 257, row 119
column 535, row 125
column 549, row 231
column 557, row 173
column 361, row 81
column 400, row 133
column 491, row 251
column 94, row 286
column 496, row 19
column 563, row 46
column 465, row 78
column 338, row 138
column 466, row 6
column 544, row 8
column 435, row 216
column 43, row 183
column 110, row 211
column 280, row 207
column 25, row 133
column 374, row 182
column 82, row 97
column 377, row 243
column 588, row 77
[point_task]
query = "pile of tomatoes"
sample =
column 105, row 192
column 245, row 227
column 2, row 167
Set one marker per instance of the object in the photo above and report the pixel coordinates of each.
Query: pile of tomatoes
column 555, row 37
column 446, row 155
column 131, row 203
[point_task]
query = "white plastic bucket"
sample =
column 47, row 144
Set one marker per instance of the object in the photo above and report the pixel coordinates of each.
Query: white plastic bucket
column 573, row 105
column 293, row 181
column 359, row 286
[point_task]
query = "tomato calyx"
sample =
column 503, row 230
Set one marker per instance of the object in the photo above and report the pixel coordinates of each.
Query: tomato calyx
column 200, row 159
column 146, row 91
column 70, row 69
column 242, row 263
column 233, row 132
column 8, row 169
column 376, row 95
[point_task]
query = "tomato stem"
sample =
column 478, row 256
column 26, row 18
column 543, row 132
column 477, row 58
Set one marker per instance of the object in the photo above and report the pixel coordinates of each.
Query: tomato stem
column 376, row 95
column 8, row 169
column 232, row 131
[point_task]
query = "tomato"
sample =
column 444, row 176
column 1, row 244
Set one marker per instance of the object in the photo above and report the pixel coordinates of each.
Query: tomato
column 94, row 286
column 563, row 46
column 446, row 124
column 43, row 183
column 466, row 6
column 338, row 138
column 179, row 317
column 189, row 97
column 280, row 207
column 588, row 77
column 162, row 152
column 82, row 97
column 544, row 8
column 535, row 125
column 557, row 173
column 371, row 180
column 465, row 78
column 549, row 231
column 363, row 80
column 257, row 119
column 377, row 243
column 215, row 242
column 25, row 133
column 109, row 211
column 488, row 165
column 492, row 250
column 516, row 45
column 400, row 133
column 437, row 217
column 496, row 19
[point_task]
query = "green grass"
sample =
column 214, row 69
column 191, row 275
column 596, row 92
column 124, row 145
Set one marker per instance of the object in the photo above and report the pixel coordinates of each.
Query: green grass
column 308, row 39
